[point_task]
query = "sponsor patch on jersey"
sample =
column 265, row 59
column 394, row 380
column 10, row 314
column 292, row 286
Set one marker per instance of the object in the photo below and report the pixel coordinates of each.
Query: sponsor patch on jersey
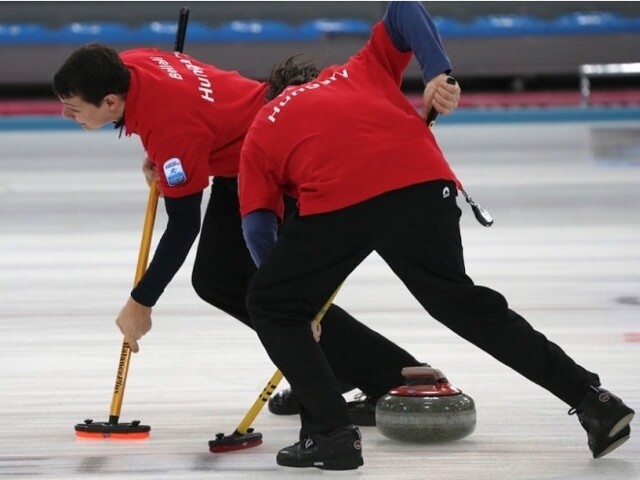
column 174, row 172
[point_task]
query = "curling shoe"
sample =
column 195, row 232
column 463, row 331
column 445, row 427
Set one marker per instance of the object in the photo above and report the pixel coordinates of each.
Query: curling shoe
column 284, row 403
column 606, row 419
column 362, row 410
column 339, row 449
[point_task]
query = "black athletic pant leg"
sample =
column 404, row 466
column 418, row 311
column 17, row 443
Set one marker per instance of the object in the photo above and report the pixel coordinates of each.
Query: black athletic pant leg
column 313, row 256
column 426, row 253
column 223, row 267
column 221, row 273
column 416, row 230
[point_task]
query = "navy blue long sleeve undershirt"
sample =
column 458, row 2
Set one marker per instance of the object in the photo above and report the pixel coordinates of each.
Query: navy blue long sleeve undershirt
column 183, row 226
column 411, row 29
column 260, row 230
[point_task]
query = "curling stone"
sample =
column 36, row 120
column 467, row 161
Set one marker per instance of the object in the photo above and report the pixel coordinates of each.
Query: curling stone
column 426, row 410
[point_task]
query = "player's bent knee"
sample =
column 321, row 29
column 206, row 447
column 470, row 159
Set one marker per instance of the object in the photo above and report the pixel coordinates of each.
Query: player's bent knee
column 205, row 290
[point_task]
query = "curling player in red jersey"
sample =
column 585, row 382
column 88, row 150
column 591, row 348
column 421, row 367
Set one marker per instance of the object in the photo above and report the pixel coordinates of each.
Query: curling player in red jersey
column 369, row 176
column 192, row 118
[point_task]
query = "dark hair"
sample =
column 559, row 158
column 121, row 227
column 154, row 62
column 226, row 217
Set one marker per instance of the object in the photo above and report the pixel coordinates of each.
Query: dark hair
column 289, row 73
column 92, row 72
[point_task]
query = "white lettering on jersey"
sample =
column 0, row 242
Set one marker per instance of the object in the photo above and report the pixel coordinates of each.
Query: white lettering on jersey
column 206, row 91
column 166, row 66
column 287, row 95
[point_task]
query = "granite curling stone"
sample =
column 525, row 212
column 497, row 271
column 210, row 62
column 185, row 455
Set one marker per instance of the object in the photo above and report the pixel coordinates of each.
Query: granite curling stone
column 428, row 409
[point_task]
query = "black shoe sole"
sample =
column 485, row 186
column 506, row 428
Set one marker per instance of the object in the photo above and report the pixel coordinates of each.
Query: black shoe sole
column 612, row 447
column 621, row 429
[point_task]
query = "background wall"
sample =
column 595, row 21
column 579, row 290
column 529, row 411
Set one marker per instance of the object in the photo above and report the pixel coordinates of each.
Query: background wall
column 58, row 13
column 522, row 62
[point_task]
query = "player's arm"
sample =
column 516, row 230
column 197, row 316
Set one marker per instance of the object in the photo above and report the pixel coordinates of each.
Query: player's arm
column 411, row 28
column 134, row 319
column 183, row 226
column 260, row 230
column 261, row 202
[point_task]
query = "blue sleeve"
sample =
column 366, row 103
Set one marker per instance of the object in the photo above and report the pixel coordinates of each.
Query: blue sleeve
column 412, row 29
column 260, row 230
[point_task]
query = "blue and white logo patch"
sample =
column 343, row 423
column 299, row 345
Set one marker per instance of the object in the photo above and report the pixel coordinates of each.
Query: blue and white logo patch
column 173, row 172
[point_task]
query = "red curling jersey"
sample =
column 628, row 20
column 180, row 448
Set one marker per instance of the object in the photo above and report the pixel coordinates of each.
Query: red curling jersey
column 191, row 117
column 346, row 137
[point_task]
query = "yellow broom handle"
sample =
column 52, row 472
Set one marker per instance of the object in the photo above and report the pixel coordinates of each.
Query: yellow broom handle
column 141, row 267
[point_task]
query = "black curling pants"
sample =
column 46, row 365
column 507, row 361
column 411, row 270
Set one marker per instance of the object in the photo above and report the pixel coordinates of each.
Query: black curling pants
column 416, row 231
column 359, row 356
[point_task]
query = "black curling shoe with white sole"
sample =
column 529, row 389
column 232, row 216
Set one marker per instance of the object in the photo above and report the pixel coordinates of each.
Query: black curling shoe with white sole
column 340, row 449
column 606, row 419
